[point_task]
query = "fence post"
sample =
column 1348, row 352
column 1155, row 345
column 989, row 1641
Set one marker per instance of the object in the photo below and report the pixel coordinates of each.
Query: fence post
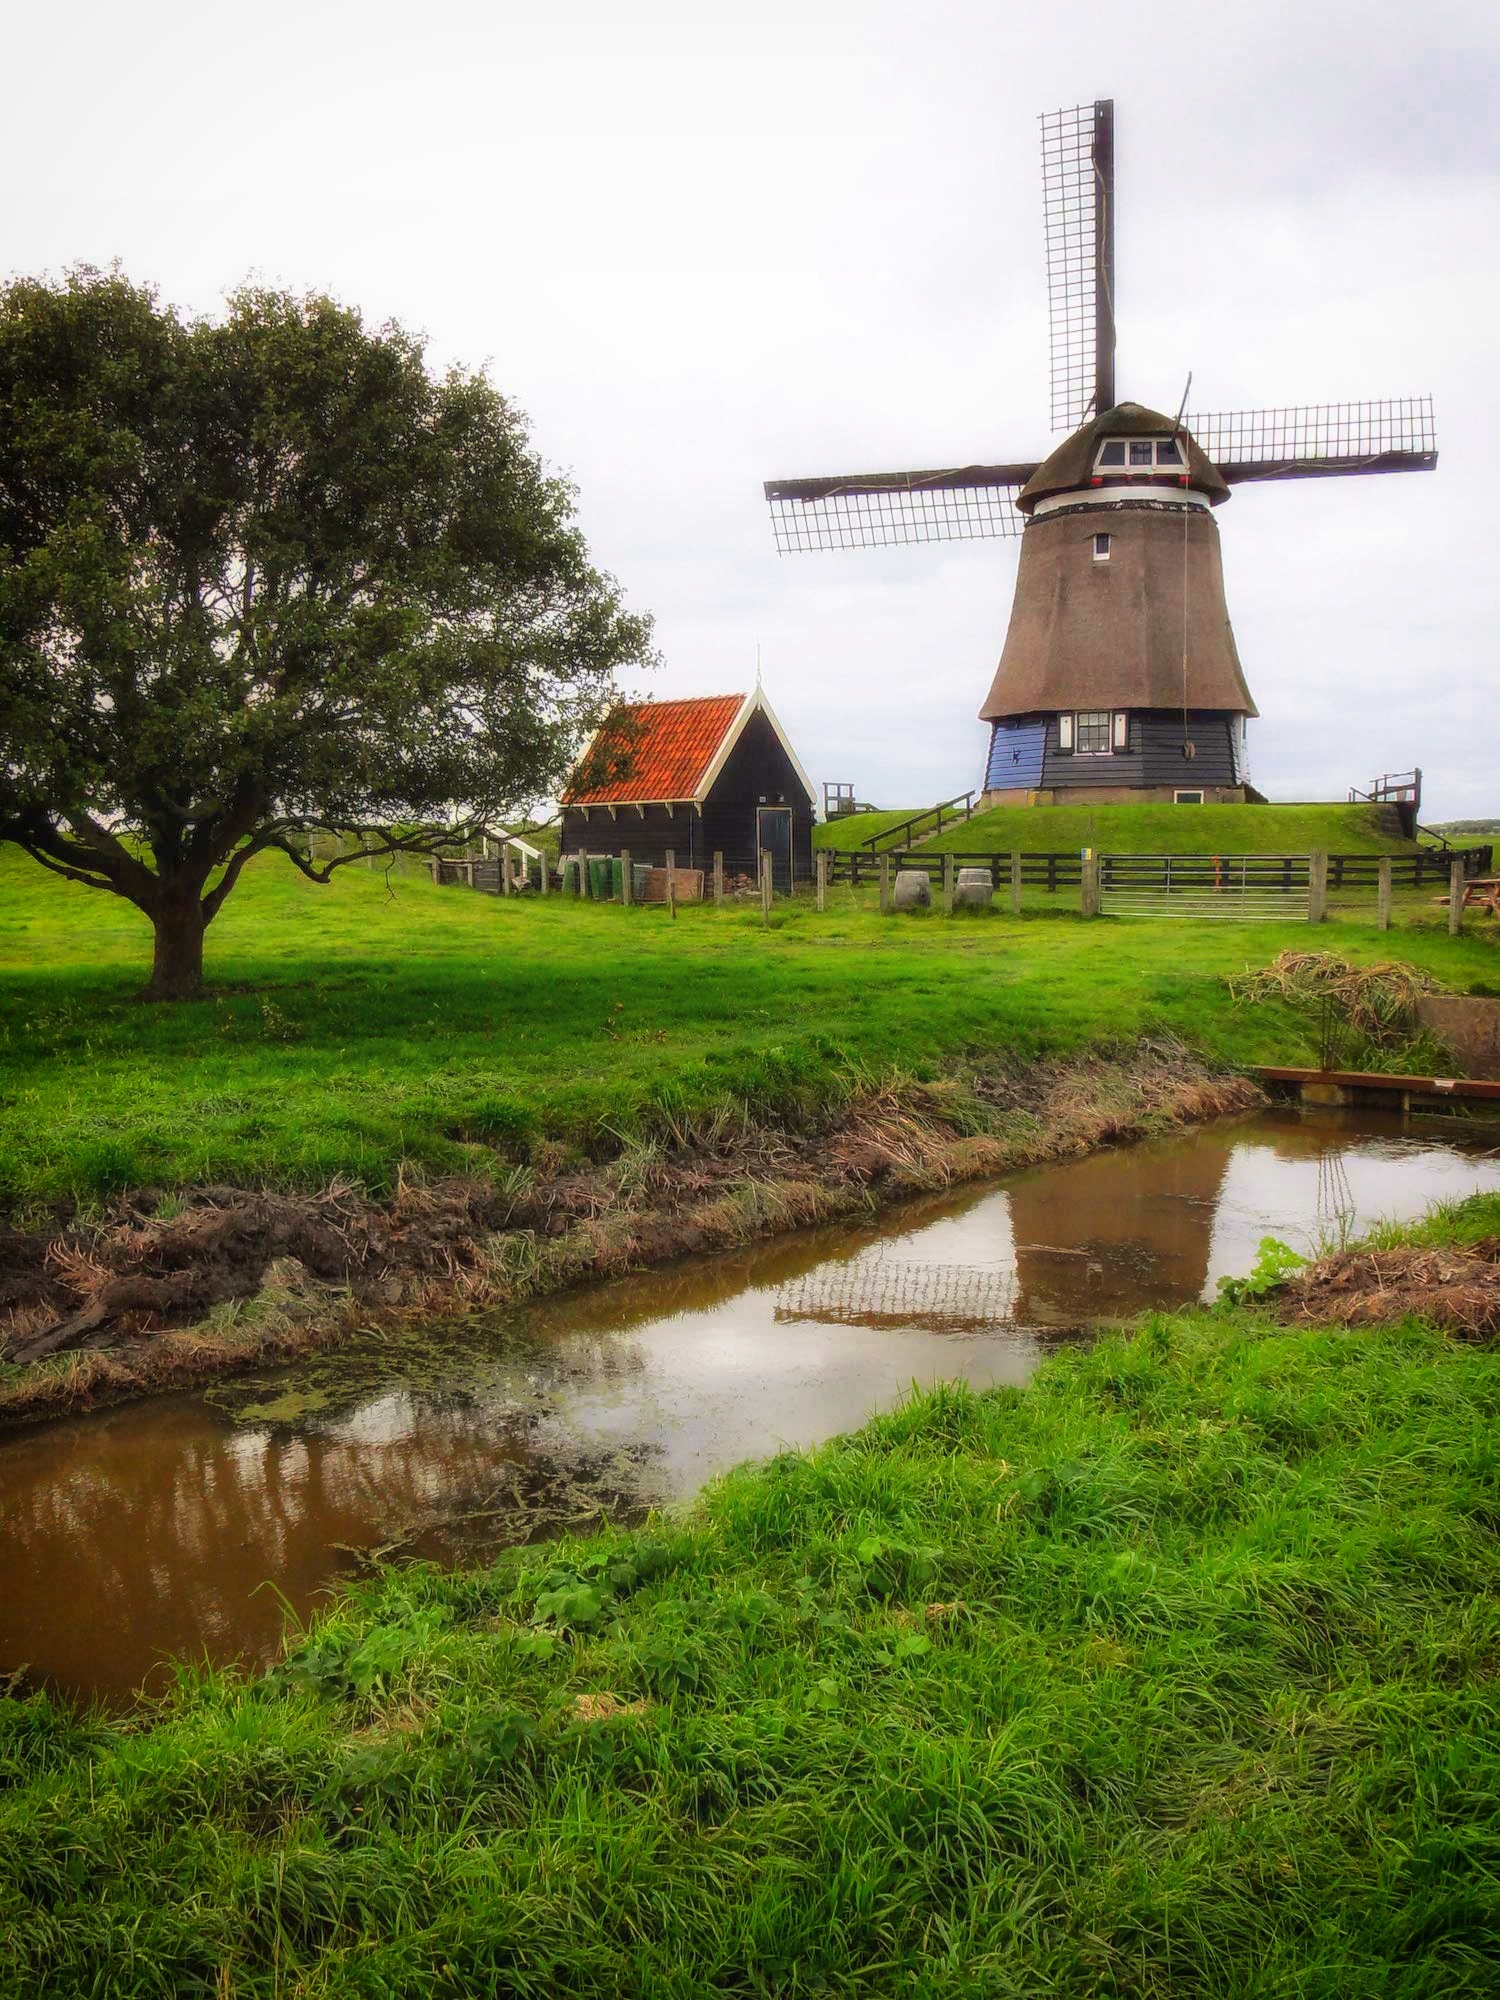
column 820, row 878
column 626, row 890
column 1317, row 886
column 1015, row 882
column 765, row 885
column 1089, row 881
column 719, row 877
column 672, row 878
column 949, row 880
column 436, row 866
column 543, row 867
column 583, row 875
column 885, row 884
column 1455, row 898
column 1383, row 894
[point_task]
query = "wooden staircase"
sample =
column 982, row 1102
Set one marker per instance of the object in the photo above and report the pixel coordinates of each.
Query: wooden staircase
column 923, row 825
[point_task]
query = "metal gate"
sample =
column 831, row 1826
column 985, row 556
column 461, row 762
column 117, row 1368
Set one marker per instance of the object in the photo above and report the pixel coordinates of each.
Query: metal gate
column 1242, row 888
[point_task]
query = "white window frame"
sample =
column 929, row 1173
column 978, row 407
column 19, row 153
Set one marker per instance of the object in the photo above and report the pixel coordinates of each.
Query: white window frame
column 1101, row 553
column 1193, row 797
column 1095, row 715
column 1065, row 734
column 1120, row 730
column 1176, row 466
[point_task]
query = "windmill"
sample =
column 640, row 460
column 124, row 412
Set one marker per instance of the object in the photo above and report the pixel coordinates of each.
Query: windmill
column 1119, row 676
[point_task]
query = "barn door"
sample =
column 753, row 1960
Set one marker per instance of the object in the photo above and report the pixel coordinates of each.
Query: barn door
column 773, row 832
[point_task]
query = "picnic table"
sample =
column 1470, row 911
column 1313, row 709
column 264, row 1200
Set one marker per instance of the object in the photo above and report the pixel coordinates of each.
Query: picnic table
column 1482, row 892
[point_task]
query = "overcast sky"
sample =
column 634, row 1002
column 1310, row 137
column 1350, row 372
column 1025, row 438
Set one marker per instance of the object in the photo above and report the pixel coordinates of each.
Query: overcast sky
column 705, row 245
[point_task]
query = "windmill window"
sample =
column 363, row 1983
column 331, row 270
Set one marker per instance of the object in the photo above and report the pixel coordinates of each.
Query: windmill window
column 1093, row 732
column 1101, row 548
column 1168, row 453
column 1140, row 454
column 1112, row 454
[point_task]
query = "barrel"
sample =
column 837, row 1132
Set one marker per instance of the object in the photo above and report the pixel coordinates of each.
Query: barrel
column 974, row 889
column 913, row 890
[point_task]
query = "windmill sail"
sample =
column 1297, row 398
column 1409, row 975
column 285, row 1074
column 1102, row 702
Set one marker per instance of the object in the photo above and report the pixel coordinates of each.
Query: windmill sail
column 875, row 510
column 1319, row 440
column 1078, row 197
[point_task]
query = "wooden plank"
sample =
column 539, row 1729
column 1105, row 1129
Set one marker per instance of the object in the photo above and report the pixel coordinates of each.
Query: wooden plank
column 1383, row 895
column 1015, row 884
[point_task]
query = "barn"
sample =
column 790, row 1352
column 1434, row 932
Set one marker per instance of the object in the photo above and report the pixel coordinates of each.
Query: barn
column 714, row 774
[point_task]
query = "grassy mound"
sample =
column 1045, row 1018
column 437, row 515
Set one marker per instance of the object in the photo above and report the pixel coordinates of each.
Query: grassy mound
column 1164, row 829
column 1172, row 1674
column 854, row 829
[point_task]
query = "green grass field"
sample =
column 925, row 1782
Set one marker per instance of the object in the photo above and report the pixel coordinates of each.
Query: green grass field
column 1171, row 1675
column 353, row 1028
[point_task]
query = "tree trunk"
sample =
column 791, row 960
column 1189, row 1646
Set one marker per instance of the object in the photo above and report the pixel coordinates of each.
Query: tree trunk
column 177, row 962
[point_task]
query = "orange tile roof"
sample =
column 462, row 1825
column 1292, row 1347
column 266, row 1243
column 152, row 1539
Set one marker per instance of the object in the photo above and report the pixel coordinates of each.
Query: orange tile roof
column 675, row 744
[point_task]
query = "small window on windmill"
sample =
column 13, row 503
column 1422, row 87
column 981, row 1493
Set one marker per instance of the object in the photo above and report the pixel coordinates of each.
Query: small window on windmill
column 1167, row 452
column 1065, row 733
column 1187, row 798
column 1093, row 732
column 1141, row 455
column 1101, row 548
column 1122, row 730
column 1113, row 453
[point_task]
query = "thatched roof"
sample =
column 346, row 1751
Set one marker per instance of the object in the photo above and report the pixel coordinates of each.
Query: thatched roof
column 1071, row 466
column 1087, row 634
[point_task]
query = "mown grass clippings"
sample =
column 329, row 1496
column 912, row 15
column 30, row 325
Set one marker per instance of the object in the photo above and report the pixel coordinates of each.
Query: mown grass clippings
column 1172, row 1674
column 1376, row 1002
column 1446, row 1270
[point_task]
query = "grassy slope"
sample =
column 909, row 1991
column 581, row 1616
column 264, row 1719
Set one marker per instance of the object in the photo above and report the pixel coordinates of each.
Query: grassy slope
column 354, row 1029
column 854, row 829
column 1171, row 1675
column 1162, row 829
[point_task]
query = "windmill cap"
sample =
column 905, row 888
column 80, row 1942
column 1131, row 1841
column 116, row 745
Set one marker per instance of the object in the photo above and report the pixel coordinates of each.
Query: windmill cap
column 1070, row 469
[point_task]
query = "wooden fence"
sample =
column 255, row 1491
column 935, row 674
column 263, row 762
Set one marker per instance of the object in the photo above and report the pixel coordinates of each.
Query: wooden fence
column 1276, row 873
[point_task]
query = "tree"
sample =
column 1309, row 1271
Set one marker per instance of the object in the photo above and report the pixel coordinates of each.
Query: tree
column 264, row 575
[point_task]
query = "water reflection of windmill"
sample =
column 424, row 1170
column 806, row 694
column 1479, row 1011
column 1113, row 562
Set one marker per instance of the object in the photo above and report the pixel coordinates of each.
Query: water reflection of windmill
column 891, row 1292
column 1119, row 672
column 1104, row 1236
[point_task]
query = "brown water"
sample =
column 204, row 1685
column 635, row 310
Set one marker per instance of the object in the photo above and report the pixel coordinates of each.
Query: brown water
column 188, row 1525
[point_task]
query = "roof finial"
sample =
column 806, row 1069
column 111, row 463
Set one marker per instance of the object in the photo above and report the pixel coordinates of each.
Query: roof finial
column 757, row 667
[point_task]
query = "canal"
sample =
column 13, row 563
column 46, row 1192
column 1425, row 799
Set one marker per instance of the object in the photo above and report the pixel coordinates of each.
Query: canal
column 194, row 1524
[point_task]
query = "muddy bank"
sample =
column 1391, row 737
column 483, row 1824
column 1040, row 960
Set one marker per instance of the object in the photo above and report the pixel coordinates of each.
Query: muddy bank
column 1457, row 1289
column 171, row 1291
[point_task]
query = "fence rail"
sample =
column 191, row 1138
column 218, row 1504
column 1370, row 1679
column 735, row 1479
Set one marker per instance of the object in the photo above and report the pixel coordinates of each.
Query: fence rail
column 1275, row 873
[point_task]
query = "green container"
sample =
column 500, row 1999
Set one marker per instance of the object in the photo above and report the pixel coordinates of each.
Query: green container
column 616, row 879
column 599, row 877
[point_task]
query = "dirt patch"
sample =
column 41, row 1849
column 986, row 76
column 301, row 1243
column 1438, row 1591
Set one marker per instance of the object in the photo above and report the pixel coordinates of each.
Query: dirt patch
column 1457, row 1289
column 168, row 1292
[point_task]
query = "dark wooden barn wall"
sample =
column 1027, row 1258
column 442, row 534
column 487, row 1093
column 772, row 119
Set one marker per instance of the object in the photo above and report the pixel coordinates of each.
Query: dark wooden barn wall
column 1155, row 755
column 757, row 772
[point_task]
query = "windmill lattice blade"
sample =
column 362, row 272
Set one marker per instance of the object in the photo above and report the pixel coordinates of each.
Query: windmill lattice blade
column 876, row 510
column 1069, row 195
column 1320, row 440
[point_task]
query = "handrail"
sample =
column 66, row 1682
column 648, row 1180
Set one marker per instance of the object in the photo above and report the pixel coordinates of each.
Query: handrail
column 890, row 836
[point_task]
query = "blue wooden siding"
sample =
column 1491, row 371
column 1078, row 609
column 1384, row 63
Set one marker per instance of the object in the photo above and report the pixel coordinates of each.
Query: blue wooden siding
column 1016, row 751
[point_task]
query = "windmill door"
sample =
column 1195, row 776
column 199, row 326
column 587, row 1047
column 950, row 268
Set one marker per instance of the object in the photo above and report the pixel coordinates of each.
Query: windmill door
column 773, row 835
